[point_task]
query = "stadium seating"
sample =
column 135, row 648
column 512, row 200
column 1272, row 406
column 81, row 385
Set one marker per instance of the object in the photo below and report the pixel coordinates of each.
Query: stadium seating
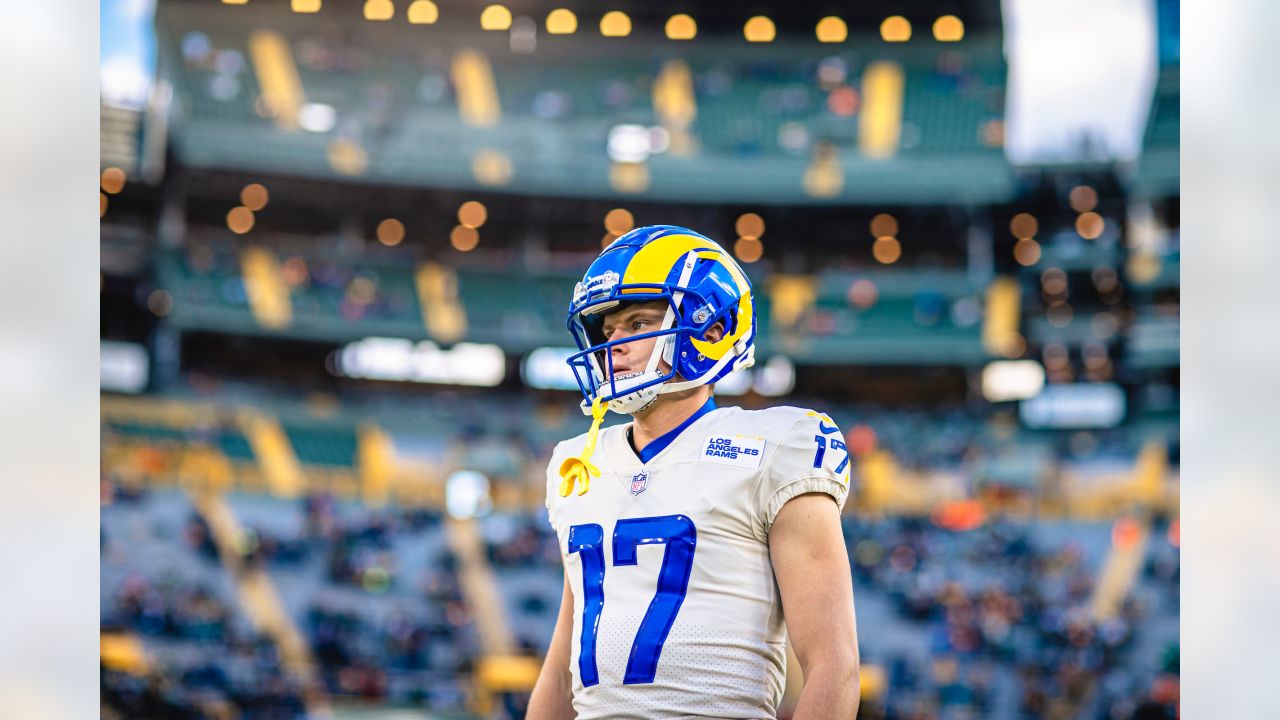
column 397, row 103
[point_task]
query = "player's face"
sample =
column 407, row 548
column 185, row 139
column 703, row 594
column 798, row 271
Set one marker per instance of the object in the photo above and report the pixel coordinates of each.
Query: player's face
column 635, row 319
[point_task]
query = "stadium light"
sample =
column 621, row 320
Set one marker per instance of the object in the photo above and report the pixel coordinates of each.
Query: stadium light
column 379, row 10
column 759, row 29
column 463, row 238
column 884, row 225
column 472, row 214
column 895, row 29
column 1026, row 252
column 748, row 249
column 317, row 117
column 886, row 250
column 382, row 358
column 681, row 27
column 234, row 2
column 240, row 220
column 1083, row 198
column 495, row 17
column 1023, row 225
column 562, row 21
column 619, row 221
column 390, row 232
column 254, row 196
column 112, row 180
column 749, row 225
column 629, row 143
column 1090, row 225
column 615, row 24
column 102, row 204
column 423, row 12
column 305, row 6
column 466, row 494
column 948, row 28
column 831, row 29
column 1004, row 380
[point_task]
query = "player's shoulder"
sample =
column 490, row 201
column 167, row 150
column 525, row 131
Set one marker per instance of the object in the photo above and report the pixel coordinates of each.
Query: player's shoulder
column 574, row 445
column 775, row 420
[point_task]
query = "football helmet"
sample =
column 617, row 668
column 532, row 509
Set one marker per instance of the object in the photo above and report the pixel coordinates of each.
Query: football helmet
column 701, row 284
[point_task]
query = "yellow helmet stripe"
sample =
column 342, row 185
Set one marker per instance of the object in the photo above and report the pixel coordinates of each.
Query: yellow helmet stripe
column 652, row 264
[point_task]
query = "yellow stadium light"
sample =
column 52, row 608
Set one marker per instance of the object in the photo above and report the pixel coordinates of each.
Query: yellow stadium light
column 619, row 221
column 750, row 225
column 379, row 10
column 895, row 29
column 112, row 180
column 1090, row 225
column 887, row 250
column 390, row 232
column 832, row 29
column 948, row 28
column 562, row 21
column 748, row 249
column 234, row 2
column 464, row 239
column 472, row 214
column 306, row 6
column 884, row 225
column 423, row 12
column 1083, row 198
column 102, row 204
column 759, row 29
column 240, row 220
column 1027, row 252
column 615, row 24
column 1023, row 225
column 681, row 27
column 254, row 196
column 495, row 17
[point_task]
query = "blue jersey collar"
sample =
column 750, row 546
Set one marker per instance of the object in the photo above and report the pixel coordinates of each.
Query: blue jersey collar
column 660, row 443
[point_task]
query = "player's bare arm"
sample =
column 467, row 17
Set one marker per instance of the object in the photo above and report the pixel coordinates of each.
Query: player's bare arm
column 553, row 694
column 811, row 564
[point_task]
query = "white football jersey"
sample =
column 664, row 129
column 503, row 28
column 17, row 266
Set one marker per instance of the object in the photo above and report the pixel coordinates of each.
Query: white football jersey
column 676, row 609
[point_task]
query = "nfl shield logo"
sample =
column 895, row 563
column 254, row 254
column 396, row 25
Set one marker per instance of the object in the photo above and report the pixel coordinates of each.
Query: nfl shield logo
column 639, row 482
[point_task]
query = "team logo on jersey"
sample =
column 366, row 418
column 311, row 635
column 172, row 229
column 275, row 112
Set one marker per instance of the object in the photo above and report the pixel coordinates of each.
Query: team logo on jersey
column 737, row 450
column 639, row 482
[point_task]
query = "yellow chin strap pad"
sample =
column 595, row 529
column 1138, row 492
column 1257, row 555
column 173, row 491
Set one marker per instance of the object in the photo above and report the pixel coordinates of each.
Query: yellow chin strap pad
column 578, row 470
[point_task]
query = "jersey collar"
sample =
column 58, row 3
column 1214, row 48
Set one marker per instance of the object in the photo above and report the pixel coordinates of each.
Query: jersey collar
column 660, row 443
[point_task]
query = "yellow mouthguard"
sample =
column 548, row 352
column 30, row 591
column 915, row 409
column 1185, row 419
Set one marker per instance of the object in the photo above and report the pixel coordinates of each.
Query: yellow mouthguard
column 579, row 469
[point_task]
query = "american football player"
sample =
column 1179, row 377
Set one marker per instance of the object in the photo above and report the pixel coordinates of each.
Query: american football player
column 696, row 539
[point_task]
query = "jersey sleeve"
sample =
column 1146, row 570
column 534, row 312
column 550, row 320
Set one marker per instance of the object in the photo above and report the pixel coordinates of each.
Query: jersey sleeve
column 553, row 483
column 810, row 457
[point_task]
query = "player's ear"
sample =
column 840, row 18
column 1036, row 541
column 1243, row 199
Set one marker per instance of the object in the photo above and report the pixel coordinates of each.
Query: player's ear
column 715, row 332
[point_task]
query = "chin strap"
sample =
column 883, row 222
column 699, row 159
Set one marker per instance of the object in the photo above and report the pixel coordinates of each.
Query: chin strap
column 578, row 470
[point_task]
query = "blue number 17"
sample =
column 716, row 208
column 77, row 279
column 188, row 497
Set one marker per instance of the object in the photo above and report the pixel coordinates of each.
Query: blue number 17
column 680, row 536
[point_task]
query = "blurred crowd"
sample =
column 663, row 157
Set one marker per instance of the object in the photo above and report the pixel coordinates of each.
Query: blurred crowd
column 992, row 622
column 1007, row 626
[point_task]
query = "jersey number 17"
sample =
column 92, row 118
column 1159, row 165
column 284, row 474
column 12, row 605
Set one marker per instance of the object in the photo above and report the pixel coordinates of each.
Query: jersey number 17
column 680, row 536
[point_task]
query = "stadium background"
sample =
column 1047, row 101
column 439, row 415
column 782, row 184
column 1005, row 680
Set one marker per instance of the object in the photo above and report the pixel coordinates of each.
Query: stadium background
column 337, row 244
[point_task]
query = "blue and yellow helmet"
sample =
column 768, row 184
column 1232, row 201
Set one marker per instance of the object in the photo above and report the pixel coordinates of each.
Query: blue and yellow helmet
column 701, row 284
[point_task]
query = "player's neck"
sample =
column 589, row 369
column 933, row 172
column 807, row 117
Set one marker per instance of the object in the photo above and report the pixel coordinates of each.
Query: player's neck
column 665, row 415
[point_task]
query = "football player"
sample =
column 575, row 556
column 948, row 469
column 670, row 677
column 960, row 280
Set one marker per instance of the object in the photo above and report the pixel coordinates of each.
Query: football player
column 696, row 540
